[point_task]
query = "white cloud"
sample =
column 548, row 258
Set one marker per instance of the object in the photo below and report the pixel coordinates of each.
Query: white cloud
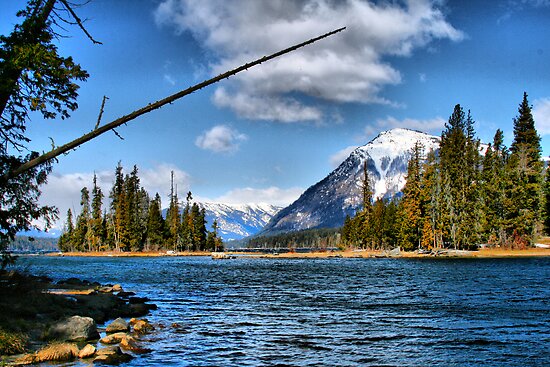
column 434, row 125
column 347, row 67
column 266, row 108
column 220, row 139
column 541, row 115
column 169, row 79
column 270, row 195
column 337, row 158
column 63, row 191
column 422, row 77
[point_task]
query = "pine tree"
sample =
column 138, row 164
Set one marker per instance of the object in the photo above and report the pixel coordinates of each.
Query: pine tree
column 524, row 179
column 155, row 225
column 411, row 203
column 82, row 230
column 65, row 242
column 173, row 217
column 96, row 221
column 117, row 197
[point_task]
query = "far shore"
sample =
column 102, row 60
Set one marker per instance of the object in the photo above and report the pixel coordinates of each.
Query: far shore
column 482, row 253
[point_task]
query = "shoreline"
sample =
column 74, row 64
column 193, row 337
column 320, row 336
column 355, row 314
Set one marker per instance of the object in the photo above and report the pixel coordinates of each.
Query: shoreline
column 482, row 253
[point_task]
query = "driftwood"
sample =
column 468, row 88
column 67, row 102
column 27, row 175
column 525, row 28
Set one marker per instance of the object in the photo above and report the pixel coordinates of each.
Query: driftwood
column 150, row 107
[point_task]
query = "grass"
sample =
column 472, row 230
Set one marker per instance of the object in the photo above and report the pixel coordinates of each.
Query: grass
column 12, row 342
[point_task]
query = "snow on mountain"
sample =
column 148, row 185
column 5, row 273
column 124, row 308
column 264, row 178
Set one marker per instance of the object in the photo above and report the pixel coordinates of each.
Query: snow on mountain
column 238, row 221
column 327, row 203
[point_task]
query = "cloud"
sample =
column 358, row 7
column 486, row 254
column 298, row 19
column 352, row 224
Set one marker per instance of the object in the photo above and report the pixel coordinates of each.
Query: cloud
column 169, row 79
column 266, row 108
column 347, row 67
column 541, row 115
column 220, row 139
column 434, row 125
column 337, row 158
column 63, row 191
column 270, row 195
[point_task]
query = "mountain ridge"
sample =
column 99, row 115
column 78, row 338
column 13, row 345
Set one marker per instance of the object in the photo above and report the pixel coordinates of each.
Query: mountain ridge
column 326, row 203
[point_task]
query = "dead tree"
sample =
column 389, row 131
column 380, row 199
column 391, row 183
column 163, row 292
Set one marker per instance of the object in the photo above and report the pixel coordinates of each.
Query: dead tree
column 55, row 152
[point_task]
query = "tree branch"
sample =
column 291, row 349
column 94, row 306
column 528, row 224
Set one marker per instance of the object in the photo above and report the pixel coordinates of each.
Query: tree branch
column 100, row 112
column 151, row 107
column 79, row 22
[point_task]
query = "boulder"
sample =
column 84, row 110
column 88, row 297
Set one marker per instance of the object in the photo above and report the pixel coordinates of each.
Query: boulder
column 118, row 325
column 123, row 294
column 134, row 300
column 56, row 352
column 143, row 327
column 113, row 338
column 111, row 355
column 129, row 343
column 117, row 288
column 87, row 352
column 105, row 289
column 75, row 328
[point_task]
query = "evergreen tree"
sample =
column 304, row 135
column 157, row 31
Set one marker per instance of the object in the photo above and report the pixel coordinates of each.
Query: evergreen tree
column 411, row 203
column 96, row 221
column 155, row 225
column 82, row 230
column 173, row 217
column 524, row 179
column 65, row 242
column 118, row 199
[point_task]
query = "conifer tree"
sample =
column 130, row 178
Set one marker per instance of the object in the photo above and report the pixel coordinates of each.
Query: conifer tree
column 155, row 225
column 524, row 179
column 96, row 220
column 82, row 230
column 65, row 242
column 411, row 203
column 173, row 217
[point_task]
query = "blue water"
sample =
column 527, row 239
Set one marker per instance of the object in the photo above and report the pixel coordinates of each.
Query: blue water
column 333, row 312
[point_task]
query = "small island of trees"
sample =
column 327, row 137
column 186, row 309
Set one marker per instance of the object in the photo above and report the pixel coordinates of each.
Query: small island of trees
column 134, row 221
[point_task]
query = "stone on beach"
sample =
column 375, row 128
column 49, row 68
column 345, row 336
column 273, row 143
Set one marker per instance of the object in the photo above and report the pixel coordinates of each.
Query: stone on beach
column 113, row 338
column 75, row 328
column 118, row 325
column 87, row 352
column 143, row 327
column 111, row 355
column 58, row 352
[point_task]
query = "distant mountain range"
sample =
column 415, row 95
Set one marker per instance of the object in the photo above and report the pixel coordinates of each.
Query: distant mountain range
column 239, row 221
column 327, row 203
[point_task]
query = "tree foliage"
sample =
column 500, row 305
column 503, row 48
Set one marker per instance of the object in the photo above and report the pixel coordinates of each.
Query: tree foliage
column 134, row 222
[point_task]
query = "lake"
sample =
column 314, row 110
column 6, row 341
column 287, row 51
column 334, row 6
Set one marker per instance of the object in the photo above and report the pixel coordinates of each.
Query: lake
column 332, row 312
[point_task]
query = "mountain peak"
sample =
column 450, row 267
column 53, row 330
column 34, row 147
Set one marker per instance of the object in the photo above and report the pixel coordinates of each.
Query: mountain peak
column 327, row 203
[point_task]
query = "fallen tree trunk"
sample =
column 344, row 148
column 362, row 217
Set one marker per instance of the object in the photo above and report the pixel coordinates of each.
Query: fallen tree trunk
column 150, row 107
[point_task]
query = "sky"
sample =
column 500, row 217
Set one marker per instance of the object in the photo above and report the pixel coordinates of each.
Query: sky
column 269, row 133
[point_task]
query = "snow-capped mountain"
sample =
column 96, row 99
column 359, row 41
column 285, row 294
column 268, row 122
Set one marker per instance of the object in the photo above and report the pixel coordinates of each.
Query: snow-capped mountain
column 327, row 203
column 238, row 221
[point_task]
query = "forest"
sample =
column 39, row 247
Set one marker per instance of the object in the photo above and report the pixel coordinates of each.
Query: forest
column 134, row 222
column 462, row 195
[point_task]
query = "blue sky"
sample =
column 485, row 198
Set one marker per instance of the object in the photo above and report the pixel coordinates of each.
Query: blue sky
column 268, row 134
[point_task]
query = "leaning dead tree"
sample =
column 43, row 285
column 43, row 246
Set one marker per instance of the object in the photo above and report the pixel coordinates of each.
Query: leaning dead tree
column 55, row 152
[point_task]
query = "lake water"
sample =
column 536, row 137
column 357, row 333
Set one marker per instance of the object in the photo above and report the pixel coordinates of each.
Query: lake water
column 333, row 312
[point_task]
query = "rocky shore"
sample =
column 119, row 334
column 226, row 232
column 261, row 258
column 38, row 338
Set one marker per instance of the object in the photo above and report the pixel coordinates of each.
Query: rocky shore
column 42, row 321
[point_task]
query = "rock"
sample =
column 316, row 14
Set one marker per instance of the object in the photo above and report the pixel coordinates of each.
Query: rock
column 143, row 327
column 123, row 294
column 113, row 338
column 87, row 352
column 118, row 325
column 75, row 328
column 117, row 288
column 56, row 352
column 71, row 281
column 134, row 300
column 129, row 343
column 105, row 289
column 111, row 355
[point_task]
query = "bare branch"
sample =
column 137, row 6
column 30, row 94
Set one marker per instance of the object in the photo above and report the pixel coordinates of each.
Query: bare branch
column 79, row 22
column 151, row 107
column 117, row 134
column 100, row 112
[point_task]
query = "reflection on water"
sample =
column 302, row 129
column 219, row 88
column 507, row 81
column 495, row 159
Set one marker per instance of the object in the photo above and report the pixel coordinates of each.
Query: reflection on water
column 333, row 312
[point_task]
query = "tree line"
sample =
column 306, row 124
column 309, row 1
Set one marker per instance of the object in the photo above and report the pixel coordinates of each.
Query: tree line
column 463, row 194
column 134, row 222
